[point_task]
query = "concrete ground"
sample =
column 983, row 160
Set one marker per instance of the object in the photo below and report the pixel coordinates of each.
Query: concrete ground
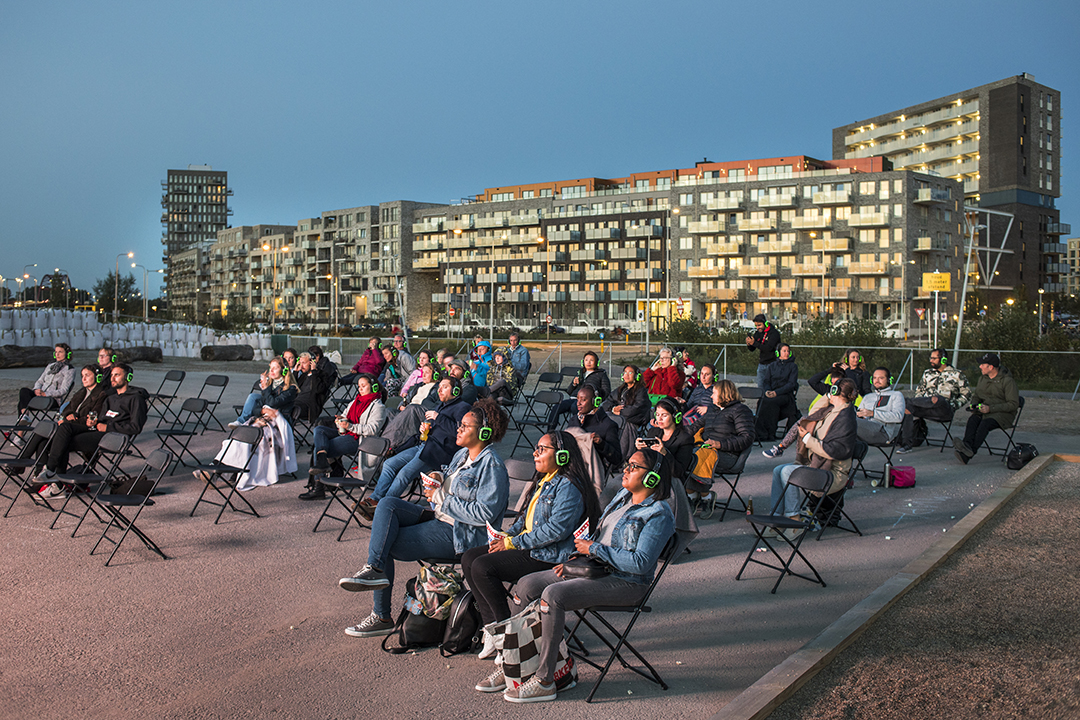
column 245, row 618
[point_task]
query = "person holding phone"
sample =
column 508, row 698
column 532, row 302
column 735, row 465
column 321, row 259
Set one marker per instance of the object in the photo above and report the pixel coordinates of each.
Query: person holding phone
column 666, row 432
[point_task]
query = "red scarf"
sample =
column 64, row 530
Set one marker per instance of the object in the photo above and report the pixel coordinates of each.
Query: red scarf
column 358, row 406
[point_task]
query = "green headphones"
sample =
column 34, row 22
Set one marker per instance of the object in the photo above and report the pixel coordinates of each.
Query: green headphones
column 485, row 429
column 562, row 457
column 674, row 412
column 99, row 377
column 652, row 478
column 130, row 376
column 374, row 386
column 284, row 370
column 834, row 389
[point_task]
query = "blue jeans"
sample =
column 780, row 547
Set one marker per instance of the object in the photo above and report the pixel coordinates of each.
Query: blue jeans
column 330, row 445
column 253, row 403
column 398, row 472
column 792, row 494
column 399, row 533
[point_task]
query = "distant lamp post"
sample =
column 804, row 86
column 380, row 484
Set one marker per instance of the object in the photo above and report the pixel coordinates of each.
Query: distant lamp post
column 1041, row 291
column 273, row 283
column 145, row 313
column 28, row 276
column 67, row 283
column 116, row 285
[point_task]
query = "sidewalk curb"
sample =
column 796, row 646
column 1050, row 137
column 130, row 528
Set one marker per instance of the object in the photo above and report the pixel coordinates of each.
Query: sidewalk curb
column 760, row 699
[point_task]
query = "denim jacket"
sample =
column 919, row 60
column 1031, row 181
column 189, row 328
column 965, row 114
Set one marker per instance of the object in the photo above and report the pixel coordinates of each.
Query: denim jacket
column 639, row 538
column 558, row 513
column 477, row 495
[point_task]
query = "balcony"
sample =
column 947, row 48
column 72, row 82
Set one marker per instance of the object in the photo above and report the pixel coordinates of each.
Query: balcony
column 505, row 296
column 604, row 275
column 562, row 236
column 603, row 234
column 459, row 242
column 809, row 269
column 877, row 219
column 645, row 231
column 627, row 295
column 711, row 227
column 724, row 248
column 775, row 246
column 427, row 244
column 486, row 278
column 1055, row 248
column 628, row 253
column 932, row 195
column 928, row 244
column 832, row 245
column 481, row 297
column 876, row 267
column 774, row 294
column 550, row 296
column 776, row 201
column 491, row 222
column 427, row 227
column 838, row 293
column 588, row 296
column 549, row 256
column 757, row 270
column 527, row 277
column 642, row 273
column 706, row 272
column 724, row 203
column 832, row 197
column 1058, row 229
column 565, row 276
column 723, row 294
column 811, row 222
column 756, row 224
column 524, row 239
column 525, row 219
column 588, row 255
column 463, row 224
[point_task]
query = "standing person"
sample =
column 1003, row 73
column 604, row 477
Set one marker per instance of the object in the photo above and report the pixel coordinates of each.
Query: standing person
column 472, row 492
column 519, row 358
column 881, row 411
column 629, row 403
column 541, row 537
column 993, row 405
column 276, row 390
column 405, row 361
column 633, row 531
column 942, row 391
column 766, row 339
column 663, row 378
column 781, row 382
column 55, row 382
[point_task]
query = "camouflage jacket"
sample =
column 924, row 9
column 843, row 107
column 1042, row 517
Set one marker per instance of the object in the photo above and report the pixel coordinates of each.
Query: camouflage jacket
column 948, row 383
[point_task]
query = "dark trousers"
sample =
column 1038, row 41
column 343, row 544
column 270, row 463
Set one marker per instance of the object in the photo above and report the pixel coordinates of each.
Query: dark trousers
column 770, row 410
column 486, row 572
column 978, row 427
column 69, row 438
column 923, row 407
column 25, row 394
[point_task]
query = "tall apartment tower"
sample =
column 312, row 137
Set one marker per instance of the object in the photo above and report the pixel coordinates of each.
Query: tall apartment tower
column 195, row 207
column 1003, row 142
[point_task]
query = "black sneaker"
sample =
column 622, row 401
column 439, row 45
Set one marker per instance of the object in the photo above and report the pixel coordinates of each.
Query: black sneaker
column 961, row 456
column 904, row 449
column 367, row 579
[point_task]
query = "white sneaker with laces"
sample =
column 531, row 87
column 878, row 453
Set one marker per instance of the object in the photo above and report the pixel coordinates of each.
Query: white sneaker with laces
column 492, row 645
column 494, row 682
column 532, row 691
column 371, row 626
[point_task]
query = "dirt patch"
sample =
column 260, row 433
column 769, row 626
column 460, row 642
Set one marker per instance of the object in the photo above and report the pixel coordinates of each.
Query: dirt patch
column 992, row 633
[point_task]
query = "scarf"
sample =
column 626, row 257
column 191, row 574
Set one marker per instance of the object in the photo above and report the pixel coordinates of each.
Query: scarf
column 358, row 406
column 56, row 367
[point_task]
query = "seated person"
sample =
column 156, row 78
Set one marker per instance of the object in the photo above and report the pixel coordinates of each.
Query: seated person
column 392, row 377
column 629, row 403
column 701, row 395
column 502, row 379
column 540, row 538
column 881, row 411
column 666, row 430
column 780, row 382
column 822, row 384
column 994, row 404
column 425, row 392
column 434, row 447
column 481, row 363
column 518, row 355
column 633, row 531
column 591, row 420
column 725, row 430
column 830, row 443
column 277, row 391
column 687, row 367
column 273, row 456
column 55, row 382
column 469, row 390
column 855, row 368
column 664, row 378
column 123, row 411
column 405, row 424
column 325, row 369
column 942, row 391
column 470, row 493
column 82, row 410
column 590, row 374
column 364, row 418
column 310, row 387
column 290, row 357
column 422, row 358
column 370, row 362
column 405, row 362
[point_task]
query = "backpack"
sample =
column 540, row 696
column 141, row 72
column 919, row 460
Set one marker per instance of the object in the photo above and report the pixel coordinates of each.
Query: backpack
column 1021, row 455
column 414, row 629
column 463, row 627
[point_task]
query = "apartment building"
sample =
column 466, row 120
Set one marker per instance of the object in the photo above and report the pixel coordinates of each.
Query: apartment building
column 1003, row 142
column 1072, row 281
column 789, row 237
column 195, row 207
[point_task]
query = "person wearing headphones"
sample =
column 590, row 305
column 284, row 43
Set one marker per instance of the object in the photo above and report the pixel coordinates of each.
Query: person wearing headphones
column 469, row 494
column 780, row 383
column 666, row 430
column 766, row 339
column 122, row 411
column 55, row 382
column 854, row 367
column 106, row 358
column 594, row 422
column 725, row 431
column 422, row 358
column 629, row 403
column 432, row 447
column 541, row 537
column 86, row 402
column 664, row 378
column 276, row 390
column 942, row 390
column 632, row 533
column 994, row 404
column 469, row 390
column 392, row 377
column 406, row 362
column 310, row 388
column 882, row 410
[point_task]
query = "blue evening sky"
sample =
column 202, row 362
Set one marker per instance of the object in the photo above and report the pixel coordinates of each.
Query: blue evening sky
column 323, row 105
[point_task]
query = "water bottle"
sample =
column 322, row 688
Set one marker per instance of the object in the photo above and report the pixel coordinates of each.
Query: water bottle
column 750, row 506
column 886, row 480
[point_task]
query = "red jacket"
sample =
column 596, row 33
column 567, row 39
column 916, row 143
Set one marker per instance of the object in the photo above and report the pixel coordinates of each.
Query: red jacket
column 371, row 361
column 664, row 381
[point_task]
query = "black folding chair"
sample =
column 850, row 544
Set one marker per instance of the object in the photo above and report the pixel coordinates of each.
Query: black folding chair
column 343, row 490
column 522, row 471
column 832, row 513
column 552, row 380
column 887, row 450
column 14, row 468
column 731, row 478
column 544, row 399
column 185, row 427
column 947, row 440
column 36, row 410
column 1009, row 432
column 137, row 497
column 617, row 640
column 748, row 393
column 223, row 478
column 213, row 383
column 161, row 401
column 100, row 471
column 813, row 482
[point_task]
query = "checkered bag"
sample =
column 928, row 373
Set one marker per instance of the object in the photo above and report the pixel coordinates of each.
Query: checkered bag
column 521, row 647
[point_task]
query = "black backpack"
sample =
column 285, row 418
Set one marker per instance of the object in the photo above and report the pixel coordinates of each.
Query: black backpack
column 1021, row 455
column 414, row 629
column 462, row 627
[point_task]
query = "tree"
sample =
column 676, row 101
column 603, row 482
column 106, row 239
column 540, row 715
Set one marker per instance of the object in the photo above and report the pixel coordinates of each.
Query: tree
column 129, row 304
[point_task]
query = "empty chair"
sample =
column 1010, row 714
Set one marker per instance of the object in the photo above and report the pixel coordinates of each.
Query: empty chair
column 161, row 401
column 185, row 426
column 223, row 478
column 135, row 499
column 349, row 490
column 212, row 389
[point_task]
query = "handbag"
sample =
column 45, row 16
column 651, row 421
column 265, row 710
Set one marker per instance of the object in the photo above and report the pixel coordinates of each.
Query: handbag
column 584, row 566
column 521, row 649
column 1021, row 455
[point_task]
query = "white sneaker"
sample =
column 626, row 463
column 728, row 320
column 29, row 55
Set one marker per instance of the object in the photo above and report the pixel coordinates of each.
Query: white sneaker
column 494, row 682
column 234, row 424
column 54, row 490
column 492, row 645
column 45, row 476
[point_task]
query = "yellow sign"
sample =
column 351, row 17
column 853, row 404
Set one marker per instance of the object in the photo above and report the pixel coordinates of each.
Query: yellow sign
column 939, row 282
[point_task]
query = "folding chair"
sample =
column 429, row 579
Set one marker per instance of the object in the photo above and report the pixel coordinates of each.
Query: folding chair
column 36, row 410
column 138, row 497
column 546, row 399
column 814, row 482
column 732, row 482
column 617, row 641
column 13, row 468
column 887, row 450
column 102, row 469
column 751, row 392
column 220, row 382
column 1009, row 432
column 947, row 440
column 302, row 427
column 340, row 396
column 161, row 400
column 832, row 513
column 185, row 427
column 522, row 471
column 342, row 488
column 221, row 477
column 552, row 379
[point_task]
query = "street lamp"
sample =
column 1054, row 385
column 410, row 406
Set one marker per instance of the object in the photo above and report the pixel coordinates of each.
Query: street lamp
column 144, row 276
column 547, row 279
column 1041, row 291
column 903, row 290
column 273, row 283
column 116, row 284
column 37, row 283
column 67, row 283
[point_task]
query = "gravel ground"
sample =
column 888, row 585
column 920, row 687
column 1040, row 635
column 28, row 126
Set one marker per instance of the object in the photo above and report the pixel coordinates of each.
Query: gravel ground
column 992, row 633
